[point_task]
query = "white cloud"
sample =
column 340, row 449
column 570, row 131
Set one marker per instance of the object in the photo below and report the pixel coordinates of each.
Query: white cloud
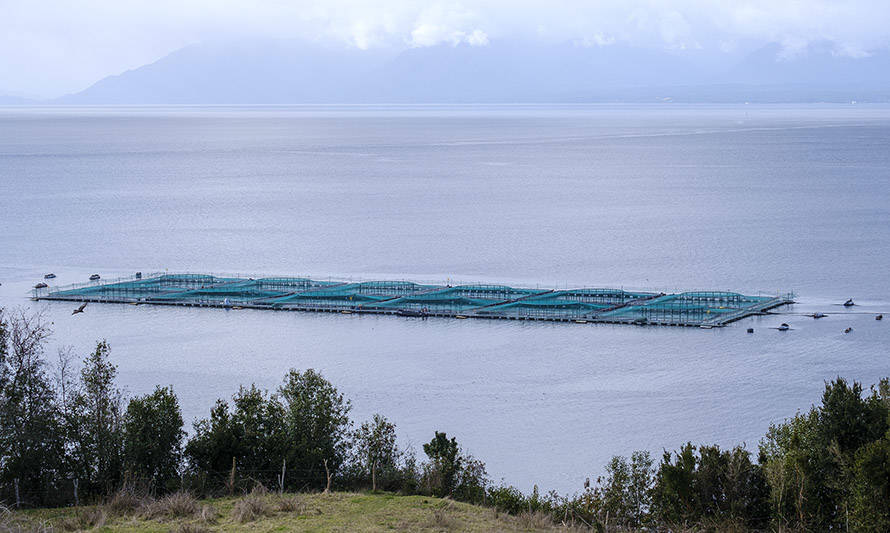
column 54, row 46
column 477, row 38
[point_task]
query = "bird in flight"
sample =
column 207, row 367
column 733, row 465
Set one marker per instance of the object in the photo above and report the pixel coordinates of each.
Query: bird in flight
column 79, row 309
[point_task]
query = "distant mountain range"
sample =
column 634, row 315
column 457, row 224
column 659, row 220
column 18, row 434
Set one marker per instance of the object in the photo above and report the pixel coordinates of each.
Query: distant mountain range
column 508, row 72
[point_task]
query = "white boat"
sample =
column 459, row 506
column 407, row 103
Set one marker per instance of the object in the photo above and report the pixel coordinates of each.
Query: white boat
column 94, row 277
column 783, row 327
column 49, row 276
column 849, row 303
column 819, row 315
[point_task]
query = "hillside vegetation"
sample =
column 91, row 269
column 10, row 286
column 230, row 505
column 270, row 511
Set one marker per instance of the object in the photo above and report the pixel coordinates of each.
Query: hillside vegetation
column 70, row 438
column 259, row 511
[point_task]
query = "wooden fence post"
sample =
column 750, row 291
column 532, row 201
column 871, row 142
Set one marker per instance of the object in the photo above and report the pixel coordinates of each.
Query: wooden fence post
column 18, row 501
column 327, row 489
column 76, row 499
column 281, row 477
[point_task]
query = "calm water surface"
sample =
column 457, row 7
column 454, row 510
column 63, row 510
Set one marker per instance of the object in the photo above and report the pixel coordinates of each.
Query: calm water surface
column 747, row 198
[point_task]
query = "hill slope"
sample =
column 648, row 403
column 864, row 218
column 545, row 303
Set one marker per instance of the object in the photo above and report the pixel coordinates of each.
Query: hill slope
column 305, row 512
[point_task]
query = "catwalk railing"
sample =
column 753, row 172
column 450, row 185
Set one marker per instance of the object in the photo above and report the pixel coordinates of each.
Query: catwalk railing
column 407, row 298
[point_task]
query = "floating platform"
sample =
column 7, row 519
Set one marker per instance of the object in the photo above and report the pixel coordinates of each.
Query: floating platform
column 704, row 309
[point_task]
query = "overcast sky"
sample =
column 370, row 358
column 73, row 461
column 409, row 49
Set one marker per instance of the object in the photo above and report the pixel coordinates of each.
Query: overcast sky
column 51, row 47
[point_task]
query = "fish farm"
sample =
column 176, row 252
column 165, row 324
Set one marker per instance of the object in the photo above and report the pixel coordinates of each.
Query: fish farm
column 705, row 309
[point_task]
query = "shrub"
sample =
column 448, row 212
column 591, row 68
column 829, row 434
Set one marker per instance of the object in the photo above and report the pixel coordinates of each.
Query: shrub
column 534, row 520
column 507, row 499
column 290, row 503
column 208, row 513
column 177, row 505
column 252, row 506
column 125, row 502
column 86, row 518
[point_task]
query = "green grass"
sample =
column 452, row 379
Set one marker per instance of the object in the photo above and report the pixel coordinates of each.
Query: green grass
column 260, row 512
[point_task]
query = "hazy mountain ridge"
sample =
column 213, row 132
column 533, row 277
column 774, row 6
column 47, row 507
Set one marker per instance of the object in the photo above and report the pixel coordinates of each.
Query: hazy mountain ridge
column 510, row 72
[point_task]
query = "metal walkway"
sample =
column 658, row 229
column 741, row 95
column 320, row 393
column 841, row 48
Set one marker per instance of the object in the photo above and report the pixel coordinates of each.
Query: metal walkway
column 704, row 309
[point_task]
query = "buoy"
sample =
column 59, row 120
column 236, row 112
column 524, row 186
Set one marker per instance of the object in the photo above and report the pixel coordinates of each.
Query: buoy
column 819, row 315
column 879, row 317
column 848, row 330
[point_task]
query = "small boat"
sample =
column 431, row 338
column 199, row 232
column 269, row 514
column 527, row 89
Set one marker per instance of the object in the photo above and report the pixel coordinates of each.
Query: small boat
column 460, row 316
column 642, row 321
column 819, row 315
column 706, row 326
column 94, row 277
column 139, row 275
column 346, row 312
column 410, row 313
column 879, row 317
column 49, row 276
column 849, row 303
column 750, row 330
column 848, row 330
column 783, row 327
column 236, row 307
column 580, row 322
column 41, row 285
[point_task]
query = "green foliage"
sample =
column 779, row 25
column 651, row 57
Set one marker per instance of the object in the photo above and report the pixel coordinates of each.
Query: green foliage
column 507, row 499
column 94, row 424
column 814, row 461
column 824, row 469
column 153, row 438
column 29, row 419
column 707, row 485
column 317, row 426
column 375, row 443
column 305, row 424
column 445, row 464
column 251, row 437
column 472, row 480
column 627, row 491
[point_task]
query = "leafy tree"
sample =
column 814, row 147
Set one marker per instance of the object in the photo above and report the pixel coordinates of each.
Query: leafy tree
column 95, row 424
column 810, row 459
column 641, row 484
column 674, row 498
column 251, row 437
column 708, row 486
column 626, row 493
column 30, row 450
column 153, row 437
column 870, row 487
column 445, row 464
column 213, row 445
column 472, row 480
column 616, row 494
column 375, row 441
column 317, row 427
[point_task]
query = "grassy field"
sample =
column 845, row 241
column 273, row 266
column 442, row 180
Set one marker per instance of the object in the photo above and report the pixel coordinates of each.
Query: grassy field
column 256, row 512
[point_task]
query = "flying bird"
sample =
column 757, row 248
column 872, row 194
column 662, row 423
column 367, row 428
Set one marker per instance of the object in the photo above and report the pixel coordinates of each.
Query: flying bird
column 79, row 309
